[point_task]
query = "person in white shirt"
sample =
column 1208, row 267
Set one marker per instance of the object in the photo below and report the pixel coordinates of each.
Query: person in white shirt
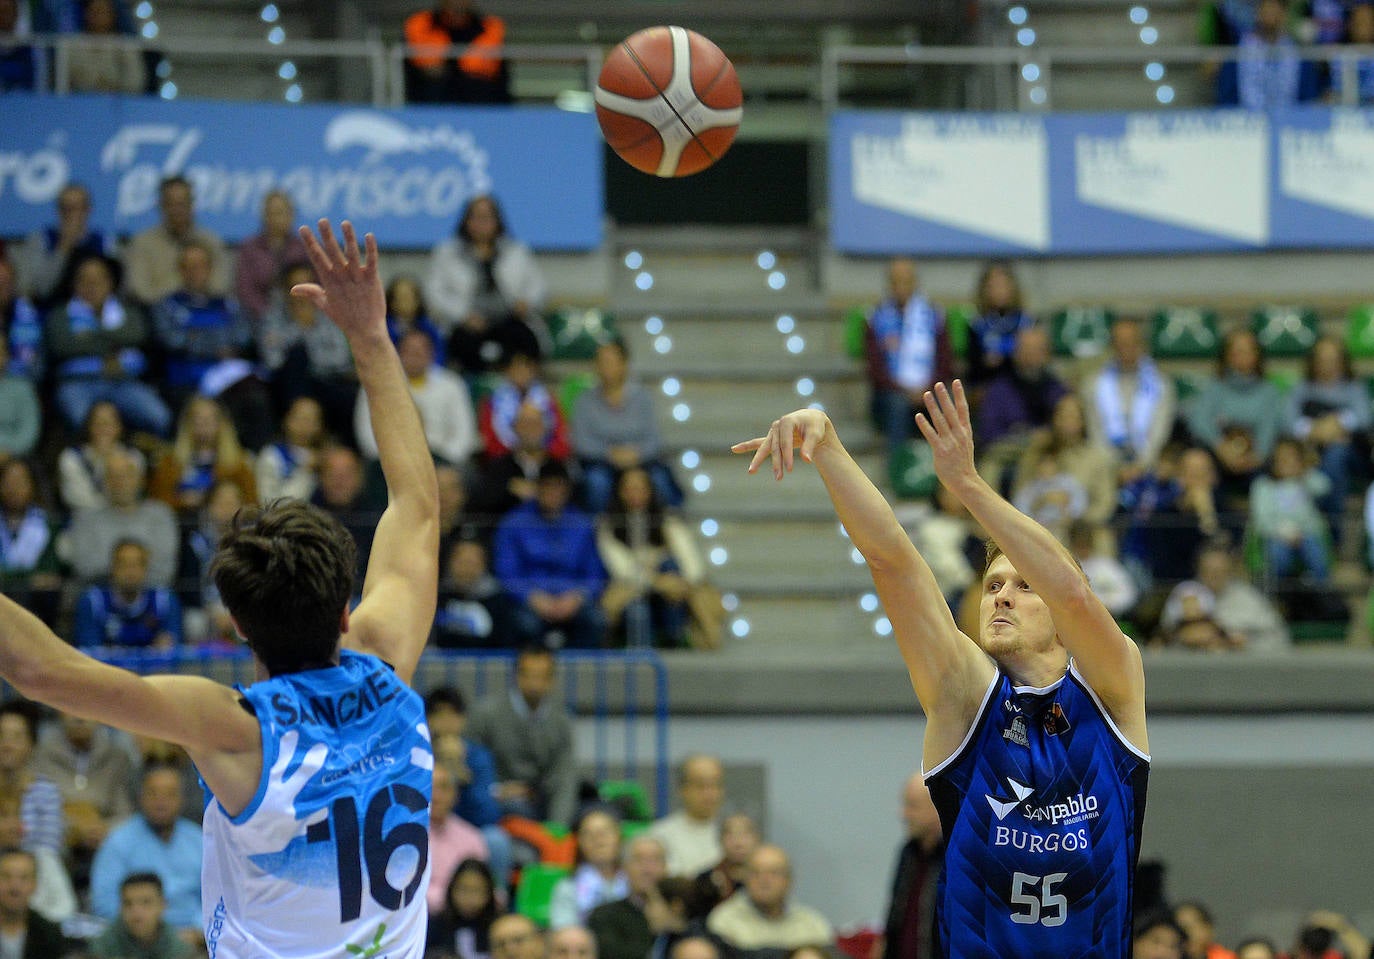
column 443, row 400
column 691, row 835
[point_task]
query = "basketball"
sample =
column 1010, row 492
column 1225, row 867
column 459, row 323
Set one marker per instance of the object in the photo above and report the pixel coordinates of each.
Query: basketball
column 668, row 101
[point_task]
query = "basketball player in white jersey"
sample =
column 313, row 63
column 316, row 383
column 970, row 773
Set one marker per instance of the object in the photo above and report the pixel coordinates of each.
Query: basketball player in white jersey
column 318, row 775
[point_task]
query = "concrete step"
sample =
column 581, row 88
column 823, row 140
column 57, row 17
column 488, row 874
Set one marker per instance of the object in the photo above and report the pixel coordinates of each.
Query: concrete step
column 757, row 271
column 717, row 415
column 822, row 626
column 1108, row 25
column 805, row 557
column 742, row 346
column 1084, row 87
column 735, row 494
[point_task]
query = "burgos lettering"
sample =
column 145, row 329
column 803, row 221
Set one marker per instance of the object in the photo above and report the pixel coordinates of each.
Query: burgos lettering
column 1036, row 843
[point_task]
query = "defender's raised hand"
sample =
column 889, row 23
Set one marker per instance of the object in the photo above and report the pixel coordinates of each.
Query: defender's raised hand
column 946, row 426
column 347, row 287
column 807, row 429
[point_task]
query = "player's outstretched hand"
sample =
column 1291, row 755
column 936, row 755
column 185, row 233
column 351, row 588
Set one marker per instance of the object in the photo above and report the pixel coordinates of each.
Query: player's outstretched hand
column 347, row 287
column 804, row 429
column 945, row 425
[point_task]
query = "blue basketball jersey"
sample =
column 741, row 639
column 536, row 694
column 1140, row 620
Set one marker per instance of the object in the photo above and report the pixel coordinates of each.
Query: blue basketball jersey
column 331, row 857
column 1042, row 806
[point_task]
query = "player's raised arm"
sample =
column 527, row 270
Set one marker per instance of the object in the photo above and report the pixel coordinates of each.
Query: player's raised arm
column 1106, row 658
column 399, row 594
column 948, row 670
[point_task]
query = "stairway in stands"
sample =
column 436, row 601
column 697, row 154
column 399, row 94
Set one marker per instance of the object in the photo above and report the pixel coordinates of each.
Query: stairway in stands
column 725, row 354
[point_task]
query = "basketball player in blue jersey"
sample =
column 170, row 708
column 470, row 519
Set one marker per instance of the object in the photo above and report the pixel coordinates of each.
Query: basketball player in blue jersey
column 1035, row 748
column 318, row 775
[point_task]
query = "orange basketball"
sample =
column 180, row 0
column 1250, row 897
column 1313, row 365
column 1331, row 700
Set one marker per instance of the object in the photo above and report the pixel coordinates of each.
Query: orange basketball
column 668, row 101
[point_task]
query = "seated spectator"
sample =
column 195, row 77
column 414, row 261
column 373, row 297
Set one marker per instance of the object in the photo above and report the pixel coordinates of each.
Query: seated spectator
column 514, row 936
column 47, row 259
column 511, row 479
column 1001, row 316
column 141, row 929
column 1064, row 449
column 21, row 415
column 597, row 877
column 344, row 491
column 308, row 355
column 455, row 521
column 485, row 290
column 204, row 340
column 40, row 802
column 54, row 898
column 1187, row 514
column 1329, row 408
column 545, row 556
column 1220, row 610
column 473, row 611
column 451, row 840
column 1016, row 402
column 19, row 921
column 91, row 538
column 30, row 570
column 1238, row 415
column 1130, row 404
column 949, row 543
column 149, row 752
column 92, row 770
column 614, row 429
column 691, row 836
column 98, row 65
column 156, row 840
column 761, row 916
column 206, row 619
column 151, row 256
column 287, row 468
column 1340, row 935
column 1157, row 936
column 1359, row 29
column 739, row 837
column 1108, row 578
column 81, row 467
column 1052, row 496
column 520, row 386
column 95, row 343
column 908, row 352
column 462, row 928
column 657, row 573
column 129, row 612
column 572, row 942
column 264, row 257
column 476, row 74
column 405, row 311
column 627, row 927
column 1285, row 517
column 1268, row 73
column 530, row 736
column 1199, row 932
column 442, row 398
column 21, row 327
column 205, row 451
column 18, row 60
column 446, row 715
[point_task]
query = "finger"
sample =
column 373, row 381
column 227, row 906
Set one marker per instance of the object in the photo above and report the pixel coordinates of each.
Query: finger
column 313, row 249
column 947, row 407
column 350, row 243
column 747, row 445
column 961, row 405
column 789, row 438
column 926, row 429
column 809, row 440
column 330, row 244
column 370, row 242
column 310, row 291
column 761, row 453
column 777, row 436
column 935, row 414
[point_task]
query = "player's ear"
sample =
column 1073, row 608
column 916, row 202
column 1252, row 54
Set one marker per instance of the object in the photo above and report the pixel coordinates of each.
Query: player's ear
column 343, row 621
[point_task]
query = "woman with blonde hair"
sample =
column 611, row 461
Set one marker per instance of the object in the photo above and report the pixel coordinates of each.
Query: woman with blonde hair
column 205, row 451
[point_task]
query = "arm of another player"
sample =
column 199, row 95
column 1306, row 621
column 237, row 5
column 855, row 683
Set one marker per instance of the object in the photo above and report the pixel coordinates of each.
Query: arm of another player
column 1108, row 660
column 401, row 588
column 948, row 670
column 191, row 711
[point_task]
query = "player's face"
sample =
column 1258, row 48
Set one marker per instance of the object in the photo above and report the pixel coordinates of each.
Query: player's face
column 1012, row 617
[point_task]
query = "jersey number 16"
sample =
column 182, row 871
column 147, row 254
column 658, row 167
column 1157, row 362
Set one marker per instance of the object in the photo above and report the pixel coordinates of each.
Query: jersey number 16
column 373, row 848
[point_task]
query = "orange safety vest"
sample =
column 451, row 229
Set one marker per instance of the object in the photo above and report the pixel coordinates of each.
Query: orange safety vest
column 422, row 30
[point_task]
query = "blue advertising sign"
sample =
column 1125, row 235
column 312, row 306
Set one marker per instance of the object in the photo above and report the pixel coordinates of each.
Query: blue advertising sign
column 1087, row 184
column 404, row 174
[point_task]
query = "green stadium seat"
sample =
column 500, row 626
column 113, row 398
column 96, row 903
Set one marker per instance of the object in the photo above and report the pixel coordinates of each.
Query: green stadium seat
column 959, row 321
column 1285, row 330
column 1184, row 332
column 534, row 895
column 629, row 796
column 570, row 388
column 1359, row 331
column 576, row 333
column 911, row 470
column 1081, row 331
column 629, row 829
column 1188, row 385
column 855, row 331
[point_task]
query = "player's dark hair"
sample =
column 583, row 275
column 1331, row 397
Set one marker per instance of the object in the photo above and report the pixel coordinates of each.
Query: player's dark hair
column 991, row 551
column 446, row 696
column 285, row 573
column 143, row 879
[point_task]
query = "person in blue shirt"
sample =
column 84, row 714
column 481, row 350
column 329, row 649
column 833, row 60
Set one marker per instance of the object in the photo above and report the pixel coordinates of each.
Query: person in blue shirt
column 21, row 327
column 1035, row 747
column 48, row 257
column 546, row 558
column 128, row 612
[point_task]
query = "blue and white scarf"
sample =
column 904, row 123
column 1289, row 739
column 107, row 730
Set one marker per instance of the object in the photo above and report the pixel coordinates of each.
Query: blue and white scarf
column 22, row 547
column 506, row 401
column 1268, row 75
column 1128, row 429
column 907, row 337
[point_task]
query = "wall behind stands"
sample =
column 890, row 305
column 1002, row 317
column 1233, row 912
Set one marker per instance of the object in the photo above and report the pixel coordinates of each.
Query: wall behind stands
column 1262, row 817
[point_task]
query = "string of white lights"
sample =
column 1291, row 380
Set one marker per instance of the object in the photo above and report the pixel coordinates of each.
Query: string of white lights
column 286, row 70
column 1019, row 18
column 1154, row 70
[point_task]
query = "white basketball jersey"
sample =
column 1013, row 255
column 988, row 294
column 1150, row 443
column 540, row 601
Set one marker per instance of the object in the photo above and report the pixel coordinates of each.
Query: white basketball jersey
column 331, row 858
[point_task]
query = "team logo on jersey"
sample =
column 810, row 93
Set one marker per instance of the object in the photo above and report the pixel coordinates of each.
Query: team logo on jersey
column 1055, row 721
column 1016, row 732
column 1001, row 805
column 372, row 948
